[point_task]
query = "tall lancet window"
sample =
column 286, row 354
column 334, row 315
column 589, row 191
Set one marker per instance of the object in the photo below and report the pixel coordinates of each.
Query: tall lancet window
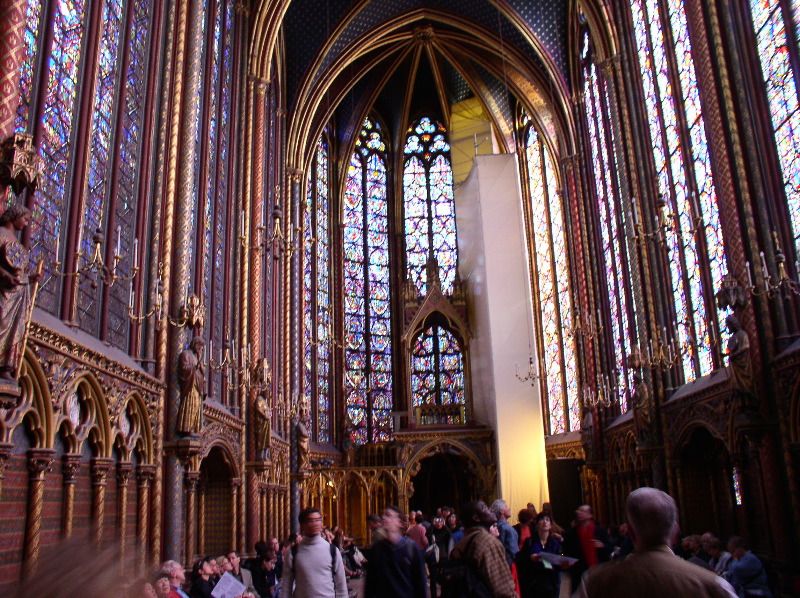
column 430, row 217
column 317, row 320
column 87, row 96
column 606, row 171
column 696, row 254
column 556, row 349
column 437, row 370
column 367, row 305
column 772, row 27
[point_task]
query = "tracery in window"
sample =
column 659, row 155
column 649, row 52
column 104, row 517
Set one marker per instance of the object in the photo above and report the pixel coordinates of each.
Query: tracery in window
column 430, row 218
column 684, row 178
column 774, row 54
column 317, row 320
column 551, row 277
column 606, row 171
column 437, row 369
column 367, row 305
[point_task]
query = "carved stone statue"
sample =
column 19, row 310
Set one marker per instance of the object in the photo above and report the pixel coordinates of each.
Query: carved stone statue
column 262, row 417
column 16, row 279
column 642, row 401
column 739, row 364
column 303, row 447
column 192, row 385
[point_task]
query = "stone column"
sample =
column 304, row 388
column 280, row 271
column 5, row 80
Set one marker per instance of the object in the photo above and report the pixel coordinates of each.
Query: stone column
column 39, row 462
column 144, row 478
column 100, row 468
column 5, row 452
column 201, row 518
column 69, row 469
column 12, row 54
column 191, row 479
column 236, row 485
column 124, row 471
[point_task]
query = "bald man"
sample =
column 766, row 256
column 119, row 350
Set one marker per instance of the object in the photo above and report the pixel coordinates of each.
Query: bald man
column 653, row 570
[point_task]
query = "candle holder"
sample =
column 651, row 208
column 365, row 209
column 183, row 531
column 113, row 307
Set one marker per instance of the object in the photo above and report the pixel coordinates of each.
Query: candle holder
column 773, row 284
column 191, row 313
column 584, row 325
column 94, row 265
column 602, row 396
column 531, row 376
column 157, row 311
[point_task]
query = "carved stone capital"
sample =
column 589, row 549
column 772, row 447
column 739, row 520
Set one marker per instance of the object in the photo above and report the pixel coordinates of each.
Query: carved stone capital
column 145, row 474
column 100, row 468
column 70, row 465
column 295, row 174
column 236, row 482
column 20, row 163
column 40, row 461
column 186, row 449
column 10, row 394
column 124, row 471
column 191, row 480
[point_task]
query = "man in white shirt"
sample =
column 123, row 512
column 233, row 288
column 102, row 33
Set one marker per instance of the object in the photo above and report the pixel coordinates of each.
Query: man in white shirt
column 313, row 568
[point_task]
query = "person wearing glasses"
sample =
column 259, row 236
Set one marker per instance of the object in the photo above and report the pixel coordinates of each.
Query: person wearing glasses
column 313, row 567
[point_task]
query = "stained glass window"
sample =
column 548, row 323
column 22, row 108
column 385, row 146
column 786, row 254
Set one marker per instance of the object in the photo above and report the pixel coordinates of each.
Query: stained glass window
column 367, row 305
column 430, row 218
column 110, row 130
column 213, row 142
column 605, row 170
column 737, row 487
column 317, row 317
column 774, row 53
column 557, row 361
column 437, row 369
column 695, row 250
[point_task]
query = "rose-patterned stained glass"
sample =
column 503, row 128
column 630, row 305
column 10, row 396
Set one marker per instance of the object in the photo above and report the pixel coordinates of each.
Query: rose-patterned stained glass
column 94, row 212
column 317, row 316
column 682, row 165
column 614, row 242
column 50, row 201
column 557, row 351
column 31, row 41
column 437, row 369
column 367, row 305
column 781, row 81
column 430, row 218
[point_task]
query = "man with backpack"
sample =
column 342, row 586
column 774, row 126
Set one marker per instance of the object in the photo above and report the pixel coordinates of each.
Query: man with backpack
column 313, row 567
column 478, row 565
column 396, row 566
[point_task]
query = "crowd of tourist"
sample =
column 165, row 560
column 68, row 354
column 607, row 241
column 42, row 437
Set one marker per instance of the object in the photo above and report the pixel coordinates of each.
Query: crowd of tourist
column 478, row 552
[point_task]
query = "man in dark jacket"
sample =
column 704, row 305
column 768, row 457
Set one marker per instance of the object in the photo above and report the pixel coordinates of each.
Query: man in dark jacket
column 396, row 566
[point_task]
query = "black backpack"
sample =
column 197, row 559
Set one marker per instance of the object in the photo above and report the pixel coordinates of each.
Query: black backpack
column 461, row 579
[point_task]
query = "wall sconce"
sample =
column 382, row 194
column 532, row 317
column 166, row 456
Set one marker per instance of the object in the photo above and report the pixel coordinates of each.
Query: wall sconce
column 602, row 397
column 531, row 376
column 773, row 284
column 585, row 326
column 94, row 265
column 156, row 311
column 191, row 313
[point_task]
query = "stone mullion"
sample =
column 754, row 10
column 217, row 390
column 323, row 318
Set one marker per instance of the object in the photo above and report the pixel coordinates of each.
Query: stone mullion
column 144, row 478
column 99, row 472
column 39, row 462
column 69, row 469
column 12, row 55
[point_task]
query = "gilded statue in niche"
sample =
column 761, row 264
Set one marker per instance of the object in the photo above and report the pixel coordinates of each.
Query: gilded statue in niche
column 303, row 446
column 739, row 366
column 263, row 426
column 192, row 386
column 16, row 296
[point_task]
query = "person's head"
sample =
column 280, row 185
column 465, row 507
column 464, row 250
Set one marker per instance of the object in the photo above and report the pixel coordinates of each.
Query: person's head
column 261, row 547
column 310, row 522
column 392, row 520
column 203, row 568
column 235, row 561
column 652, row 516
column 691, row 544
column 269, row 560
column 582, row 514
column 175, row 573
column 438, row 522
column 525, row 516
column 543, row 523
column 374, row 521
column 476, row 514
column 214, row 566
column 532, row 507
column 737, row 546
column 275, row 544
column 713, row 547
column 17, row 215
column 224, row 564
column 451, row 520
column 500, row 509
column 142, row 588
column 446, row 512
column 624, row 529
column 161, row 585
